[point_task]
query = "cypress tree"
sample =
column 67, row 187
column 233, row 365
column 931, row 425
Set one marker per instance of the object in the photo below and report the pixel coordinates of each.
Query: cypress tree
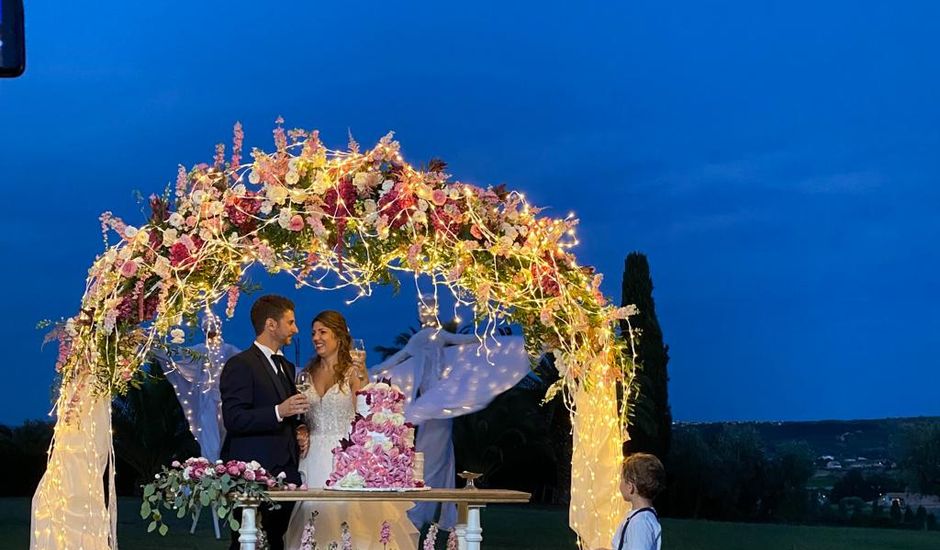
column 651, row 423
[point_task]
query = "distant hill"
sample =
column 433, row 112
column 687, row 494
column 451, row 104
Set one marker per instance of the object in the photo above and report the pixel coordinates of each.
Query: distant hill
column 881, row 438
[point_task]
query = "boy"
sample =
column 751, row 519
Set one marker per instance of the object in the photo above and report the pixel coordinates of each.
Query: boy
column 642, row 478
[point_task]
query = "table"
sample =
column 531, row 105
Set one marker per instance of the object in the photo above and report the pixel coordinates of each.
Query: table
column 469, row 504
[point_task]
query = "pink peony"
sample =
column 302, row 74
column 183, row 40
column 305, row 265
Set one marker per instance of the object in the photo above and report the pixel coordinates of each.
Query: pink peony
column 249, row 475
column 296, row 223
column 129, row 268
column 439, row 197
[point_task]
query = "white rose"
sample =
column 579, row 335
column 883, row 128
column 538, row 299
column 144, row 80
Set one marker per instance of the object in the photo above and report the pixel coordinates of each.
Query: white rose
column 254, row 177
column 198, row 196
column 283, row 217
column 266, row 207
column 276, row 193
column 162, row 267
column 175, row 220
column 170, row 236
column 130, row 231
column 178, row 336
column 370, row 206
column 387, row 184
column 292, row 177
column 239, row 189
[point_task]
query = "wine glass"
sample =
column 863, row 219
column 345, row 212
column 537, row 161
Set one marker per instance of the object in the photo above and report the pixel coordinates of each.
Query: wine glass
column 358, row 353
column 303, row 381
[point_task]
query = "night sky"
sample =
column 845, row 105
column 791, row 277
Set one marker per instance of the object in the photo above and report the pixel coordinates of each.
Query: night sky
column 777, row 161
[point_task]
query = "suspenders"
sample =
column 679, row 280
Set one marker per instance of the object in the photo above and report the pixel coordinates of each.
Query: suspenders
column 623, row 533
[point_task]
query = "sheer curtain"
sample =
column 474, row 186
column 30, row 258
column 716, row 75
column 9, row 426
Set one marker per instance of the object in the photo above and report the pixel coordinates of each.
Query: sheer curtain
column 446, row 375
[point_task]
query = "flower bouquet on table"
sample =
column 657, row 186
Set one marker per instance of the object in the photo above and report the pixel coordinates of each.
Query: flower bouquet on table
column 197, row 482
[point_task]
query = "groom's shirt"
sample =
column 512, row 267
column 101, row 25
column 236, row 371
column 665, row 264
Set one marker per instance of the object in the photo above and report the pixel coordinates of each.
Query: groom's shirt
column 268, row 352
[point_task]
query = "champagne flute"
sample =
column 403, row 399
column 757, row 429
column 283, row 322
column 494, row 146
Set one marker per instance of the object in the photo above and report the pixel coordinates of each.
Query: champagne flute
column 358, row 353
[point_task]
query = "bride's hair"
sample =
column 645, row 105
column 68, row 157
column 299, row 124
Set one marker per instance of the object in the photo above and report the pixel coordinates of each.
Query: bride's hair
column 335, row 321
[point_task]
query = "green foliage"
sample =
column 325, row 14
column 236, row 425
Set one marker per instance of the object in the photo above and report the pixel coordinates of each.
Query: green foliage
column 23, row 450
column 921, row 460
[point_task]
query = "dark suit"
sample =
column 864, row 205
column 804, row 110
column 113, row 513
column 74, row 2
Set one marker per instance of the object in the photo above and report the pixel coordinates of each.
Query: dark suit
column 250, row 390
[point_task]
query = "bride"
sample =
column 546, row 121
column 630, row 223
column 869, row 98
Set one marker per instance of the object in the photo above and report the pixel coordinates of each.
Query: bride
column 335, row 378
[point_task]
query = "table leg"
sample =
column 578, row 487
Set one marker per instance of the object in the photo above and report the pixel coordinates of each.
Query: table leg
column 474, row 527
column 248, row 531
column 461, row 526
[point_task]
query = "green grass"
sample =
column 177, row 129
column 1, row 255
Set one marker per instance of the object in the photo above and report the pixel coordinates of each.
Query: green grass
column 521, row 527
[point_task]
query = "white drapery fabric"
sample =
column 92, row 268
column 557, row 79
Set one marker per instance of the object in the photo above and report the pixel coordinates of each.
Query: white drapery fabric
column 68, row 508
column 596, row 504
column 446, row 375
column 195, row 378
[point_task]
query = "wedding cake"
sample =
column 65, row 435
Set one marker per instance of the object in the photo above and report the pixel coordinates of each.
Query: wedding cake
column 379, row 452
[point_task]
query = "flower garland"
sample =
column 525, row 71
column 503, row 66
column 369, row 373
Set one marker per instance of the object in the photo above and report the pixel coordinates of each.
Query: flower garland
column 334, row 219
column 195, row 483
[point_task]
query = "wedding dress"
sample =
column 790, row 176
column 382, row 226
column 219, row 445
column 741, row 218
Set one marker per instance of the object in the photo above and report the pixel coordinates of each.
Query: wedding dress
column 328, row 421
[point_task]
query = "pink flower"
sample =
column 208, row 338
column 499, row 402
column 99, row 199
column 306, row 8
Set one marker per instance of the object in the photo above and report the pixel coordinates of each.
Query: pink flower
column 220, row 469
column 476, row 232
column 385, row 534
column 249, row 475
column 233, row 470
column 237, row 139
column 129, row 268
column 270, row 483
column 296, row 223
column 439, row 197
column 176, row 464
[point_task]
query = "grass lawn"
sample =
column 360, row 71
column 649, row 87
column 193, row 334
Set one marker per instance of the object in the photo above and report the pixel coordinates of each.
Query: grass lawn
column 521, row 527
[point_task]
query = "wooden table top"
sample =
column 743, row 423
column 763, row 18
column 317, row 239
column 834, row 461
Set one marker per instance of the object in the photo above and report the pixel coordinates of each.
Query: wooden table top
column 469, row 496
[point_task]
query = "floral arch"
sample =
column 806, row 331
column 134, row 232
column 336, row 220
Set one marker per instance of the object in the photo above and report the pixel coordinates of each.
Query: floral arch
column 330, row 219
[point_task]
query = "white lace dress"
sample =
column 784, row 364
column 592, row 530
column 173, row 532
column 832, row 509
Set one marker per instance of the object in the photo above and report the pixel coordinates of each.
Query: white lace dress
column 329, row 421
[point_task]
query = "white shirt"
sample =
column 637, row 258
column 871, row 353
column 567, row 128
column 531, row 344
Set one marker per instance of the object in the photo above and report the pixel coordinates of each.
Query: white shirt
column 643, row 532
column 268, row 352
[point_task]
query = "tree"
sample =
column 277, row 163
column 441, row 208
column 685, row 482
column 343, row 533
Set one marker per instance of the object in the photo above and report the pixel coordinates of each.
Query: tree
column 689, row 475
column 23, row 450
column 920, row 518
column 739, row 477
column 895, row 512
column 853, row 484
column 921, row 460
column 150, row 430
column 787, row 473
column 651, row 430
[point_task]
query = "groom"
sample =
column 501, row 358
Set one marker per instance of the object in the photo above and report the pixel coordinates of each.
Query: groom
column 260, row 404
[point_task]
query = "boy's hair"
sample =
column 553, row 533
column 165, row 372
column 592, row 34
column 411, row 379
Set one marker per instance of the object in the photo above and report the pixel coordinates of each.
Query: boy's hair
column 646, row 472
column 267, row 307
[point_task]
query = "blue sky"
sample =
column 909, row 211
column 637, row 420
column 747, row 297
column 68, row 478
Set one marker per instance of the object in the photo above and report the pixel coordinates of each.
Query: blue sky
column 777, row 161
